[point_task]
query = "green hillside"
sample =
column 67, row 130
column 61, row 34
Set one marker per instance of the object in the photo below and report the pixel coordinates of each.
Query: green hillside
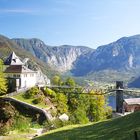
column 116, row 129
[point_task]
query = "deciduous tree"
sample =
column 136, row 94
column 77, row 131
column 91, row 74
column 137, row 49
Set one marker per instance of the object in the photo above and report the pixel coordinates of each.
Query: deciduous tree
column 3, row 86
column 56, row 80
column 70, row 82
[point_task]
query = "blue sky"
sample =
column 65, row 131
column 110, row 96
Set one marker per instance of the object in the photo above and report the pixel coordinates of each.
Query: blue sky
column 76, row 22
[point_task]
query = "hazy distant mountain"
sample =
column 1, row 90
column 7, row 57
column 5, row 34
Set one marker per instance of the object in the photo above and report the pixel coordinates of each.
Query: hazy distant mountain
column 59, row 57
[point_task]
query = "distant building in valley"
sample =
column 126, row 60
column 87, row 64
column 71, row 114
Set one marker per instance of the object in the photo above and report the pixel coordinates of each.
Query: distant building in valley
column 132, row 104
column 19, row 76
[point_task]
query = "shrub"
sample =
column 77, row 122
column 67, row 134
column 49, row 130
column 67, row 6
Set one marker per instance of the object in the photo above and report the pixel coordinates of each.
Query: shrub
column 31, row 92
column 38, row 99
column 49, row 92
column 57, row 123
column 4, row 131
column 53, row 112
column 108, row 112
column 21, row 124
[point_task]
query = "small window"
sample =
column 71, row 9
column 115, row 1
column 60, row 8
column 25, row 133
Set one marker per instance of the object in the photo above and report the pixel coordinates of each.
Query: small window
column 18, row 75
column 31, row 75
column 25, row 75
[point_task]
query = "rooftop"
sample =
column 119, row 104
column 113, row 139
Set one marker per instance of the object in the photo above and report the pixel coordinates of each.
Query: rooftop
column 13, row 59
column 18, row 69
column 132, row 101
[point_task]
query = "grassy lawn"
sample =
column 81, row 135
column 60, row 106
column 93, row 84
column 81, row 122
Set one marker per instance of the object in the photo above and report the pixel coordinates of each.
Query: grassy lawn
column 16, row 135
column 116, row 129
column 30, row 101
column 13, row 138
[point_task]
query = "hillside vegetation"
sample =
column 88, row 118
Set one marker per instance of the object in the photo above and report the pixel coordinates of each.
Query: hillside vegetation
column 16, row 118
column 80, row 108
column 116, row 129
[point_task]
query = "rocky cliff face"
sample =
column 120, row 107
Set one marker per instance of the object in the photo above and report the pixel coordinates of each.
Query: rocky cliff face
column 122, row 55
column 61, row 57
column 67, row 55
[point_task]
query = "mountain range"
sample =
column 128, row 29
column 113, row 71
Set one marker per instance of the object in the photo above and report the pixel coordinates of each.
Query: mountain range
column 119, row 60
column 60, row 58
column 7, row 46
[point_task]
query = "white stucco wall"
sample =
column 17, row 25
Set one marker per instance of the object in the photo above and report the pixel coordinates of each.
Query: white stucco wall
column 28, row 80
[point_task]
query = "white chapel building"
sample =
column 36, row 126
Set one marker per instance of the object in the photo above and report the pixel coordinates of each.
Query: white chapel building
column 19, row 76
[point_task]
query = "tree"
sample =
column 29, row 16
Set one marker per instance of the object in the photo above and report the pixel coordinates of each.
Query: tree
column 79, row 116
column 49, row 92
column 97, row 108
column 56, row 80
column 100, row 113
column 78, row 106
column 61, row 103
column 31, row 92
column 70, row 82
column 38, row 99
column 3, row 82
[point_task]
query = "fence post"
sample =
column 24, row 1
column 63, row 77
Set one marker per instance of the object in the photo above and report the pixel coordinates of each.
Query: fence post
column 135, row 135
